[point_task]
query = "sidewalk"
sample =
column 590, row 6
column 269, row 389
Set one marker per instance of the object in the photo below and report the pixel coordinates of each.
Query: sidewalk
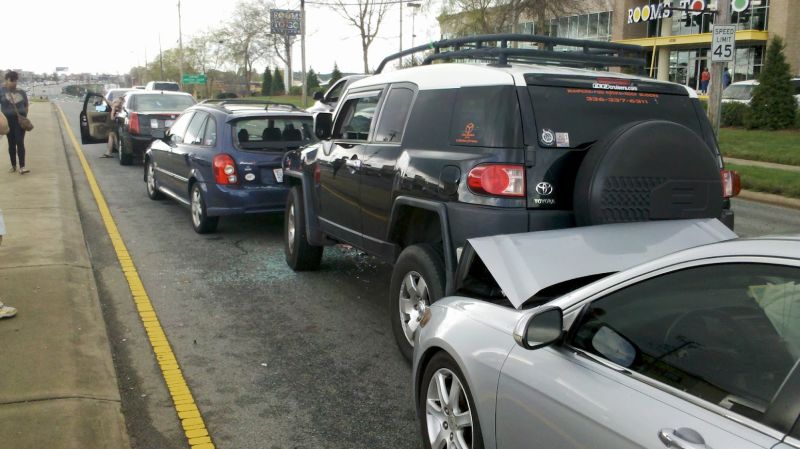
column 792, row 168
column 58, row 388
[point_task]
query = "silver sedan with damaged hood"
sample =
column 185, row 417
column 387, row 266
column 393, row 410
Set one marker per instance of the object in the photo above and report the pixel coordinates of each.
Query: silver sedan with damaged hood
column 640, row 335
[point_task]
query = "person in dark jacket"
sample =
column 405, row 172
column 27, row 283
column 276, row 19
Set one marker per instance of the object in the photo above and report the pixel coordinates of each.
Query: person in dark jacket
column 9, row 97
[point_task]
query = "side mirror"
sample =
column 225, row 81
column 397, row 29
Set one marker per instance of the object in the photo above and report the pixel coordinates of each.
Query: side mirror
column 323, row 123
column 318, row 95
column 541, row 329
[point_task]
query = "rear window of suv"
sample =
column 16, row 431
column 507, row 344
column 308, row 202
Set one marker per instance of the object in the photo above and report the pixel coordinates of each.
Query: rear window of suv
column 162, row 102
column 575, row 112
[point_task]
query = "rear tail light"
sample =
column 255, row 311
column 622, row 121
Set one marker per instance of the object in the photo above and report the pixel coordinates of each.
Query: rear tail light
column 133, row 124
column 225, row 170
column 731, row 183
column 497, row 180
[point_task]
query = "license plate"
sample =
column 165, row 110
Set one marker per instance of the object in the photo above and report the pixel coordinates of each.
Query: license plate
column 278, row 174
column 168, row 123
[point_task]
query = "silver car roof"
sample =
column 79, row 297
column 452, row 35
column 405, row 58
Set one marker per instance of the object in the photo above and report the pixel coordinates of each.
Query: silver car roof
column 524, row 264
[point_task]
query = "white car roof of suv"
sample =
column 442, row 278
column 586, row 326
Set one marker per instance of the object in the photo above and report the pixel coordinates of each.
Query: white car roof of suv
column 455, row 75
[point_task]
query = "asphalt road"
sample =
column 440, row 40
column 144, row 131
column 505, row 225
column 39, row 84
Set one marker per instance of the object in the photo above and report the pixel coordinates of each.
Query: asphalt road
column 275, row 359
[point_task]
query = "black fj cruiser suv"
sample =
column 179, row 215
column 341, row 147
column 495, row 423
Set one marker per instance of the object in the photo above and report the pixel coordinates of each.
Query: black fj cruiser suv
column 414, row 162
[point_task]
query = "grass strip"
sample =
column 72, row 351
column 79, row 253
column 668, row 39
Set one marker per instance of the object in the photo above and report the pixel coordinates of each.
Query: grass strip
column 768, row 180
column 780, row 147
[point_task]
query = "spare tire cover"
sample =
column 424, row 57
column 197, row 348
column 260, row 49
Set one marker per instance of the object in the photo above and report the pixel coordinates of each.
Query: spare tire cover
column 648, row 170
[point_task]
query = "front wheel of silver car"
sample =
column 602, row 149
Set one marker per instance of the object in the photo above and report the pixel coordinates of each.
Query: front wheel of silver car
column 417, row 282
column 448, row 418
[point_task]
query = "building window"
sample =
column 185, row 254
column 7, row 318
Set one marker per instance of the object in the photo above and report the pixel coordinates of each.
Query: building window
column 754, row 18
column 594, row 26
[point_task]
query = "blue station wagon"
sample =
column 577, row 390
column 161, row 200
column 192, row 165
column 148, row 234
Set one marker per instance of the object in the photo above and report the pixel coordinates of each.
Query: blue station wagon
column 225, row 158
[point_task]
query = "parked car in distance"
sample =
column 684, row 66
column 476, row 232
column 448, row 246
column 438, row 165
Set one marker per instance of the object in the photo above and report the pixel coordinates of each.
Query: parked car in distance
column 696, row 349
column 113, row 94
column 224, row 157
column 418, row 160
column 163, row 85
column 327, row 102
column 742, row 91
column 144, row 117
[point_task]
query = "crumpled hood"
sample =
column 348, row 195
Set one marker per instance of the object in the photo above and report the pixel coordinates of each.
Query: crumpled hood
column 524, row 264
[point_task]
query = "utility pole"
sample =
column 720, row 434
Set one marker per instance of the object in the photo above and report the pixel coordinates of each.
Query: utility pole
column 401, row 27
column 303, row 49
column 715, row 95
column 160, row 56
column 180, row 45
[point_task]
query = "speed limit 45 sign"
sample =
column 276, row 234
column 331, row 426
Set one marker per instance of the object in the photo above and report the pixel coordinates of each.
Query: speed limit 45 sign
column 723, row 43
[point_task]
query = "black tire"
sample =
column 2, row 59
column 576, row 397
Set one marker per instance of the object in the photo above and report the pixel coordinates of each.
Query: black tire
column 648, row 170
column 201, row 222
column 300, row 255
column 419, row 261
column 125, row 148
column 151, row 185
column 444, row 364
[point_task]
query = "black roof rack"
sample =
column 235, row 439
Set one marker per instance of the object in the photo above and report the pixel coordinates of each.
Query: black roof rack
column 245, row 101
column 495, row 48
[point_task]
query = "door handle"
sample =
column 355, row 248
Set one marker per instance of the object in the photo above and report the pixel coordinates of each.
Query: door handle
column 682, row 438
column 355, row 164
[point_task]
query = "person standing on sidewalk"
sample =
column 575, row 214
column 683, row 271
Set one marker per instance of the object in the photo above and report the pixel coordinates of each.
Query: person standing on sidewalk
column 14, row 101
column 5, row 311
column 705, row 77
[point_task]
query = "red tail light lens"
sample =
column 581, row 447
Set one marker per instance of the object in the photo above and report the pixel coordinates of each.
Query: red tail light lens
column 133, row 124
column 497, row 180
column 731, row 183
column 225, row 170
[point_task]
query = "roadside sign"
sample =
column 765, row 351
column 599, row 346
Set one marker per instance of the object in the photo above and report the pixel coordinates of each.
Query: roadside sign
column 285, row 21
column 194, row 78
column 723, row 43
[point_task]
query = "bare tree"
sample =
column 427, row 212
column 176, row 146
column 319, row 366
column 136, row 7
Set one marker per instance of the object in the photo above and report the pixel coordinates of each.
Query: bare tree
column 205, row 51
column 464, row 17
column 366, row 15
column 246, row 35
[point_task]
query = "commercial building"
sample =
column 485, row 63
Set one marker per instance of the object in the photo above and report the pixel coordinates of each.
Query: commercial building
column 677, row 44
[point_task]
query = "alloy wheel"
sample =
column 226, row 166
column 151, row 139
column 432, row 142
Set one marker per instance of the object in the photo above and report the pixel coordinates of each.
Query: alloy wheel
column 197, row 207
column 447, row 412
column 151, row 179
column 290, row 228
column 414, row 297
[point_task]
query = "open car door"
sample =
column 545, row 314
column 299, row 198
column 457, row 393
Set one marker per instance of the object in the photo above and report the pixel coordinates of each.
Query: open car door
column 95, row 120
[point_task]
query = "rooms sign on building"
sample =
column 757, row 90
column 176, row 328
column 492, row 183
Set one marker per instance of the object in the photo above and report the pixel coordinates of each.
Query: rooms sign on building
column 664, row 10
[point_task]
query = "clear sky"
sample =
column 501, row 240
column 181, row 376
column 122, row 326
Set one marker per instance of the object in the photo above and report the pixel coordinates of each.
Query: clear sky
column 111, row 36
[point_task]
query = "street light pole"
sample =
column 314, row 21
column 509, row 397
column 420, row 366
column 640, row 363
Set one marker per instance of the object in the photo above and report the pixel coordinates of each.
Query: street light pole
column 180, row 45
column 414, row 6
column 401, row 26
column 303, row 49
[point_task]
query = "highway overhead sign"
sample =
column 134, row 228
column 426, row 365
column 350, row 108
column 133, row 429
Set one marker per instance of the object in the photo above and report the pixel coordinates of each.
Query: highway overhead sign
column 193, row 78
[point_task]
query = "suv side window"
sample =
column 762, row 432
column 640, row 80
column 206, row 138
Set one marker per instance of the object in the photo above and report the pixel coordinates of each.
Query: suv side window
column 178, row 128
column 355, row 117
column 394, row 114
column 194, row 134
column 728, row 334
column 210, row 135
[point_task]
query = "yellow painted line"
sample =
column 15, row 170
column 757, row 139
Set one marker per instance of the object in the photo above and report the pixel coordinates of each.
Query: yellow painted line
column 192, row 422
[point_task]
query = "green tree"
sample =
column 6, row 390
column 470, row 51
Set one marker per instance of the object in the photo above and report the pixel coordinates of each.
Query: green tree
column 266, row 83
column 773, row 105
column 312, row 81
column 278, row 87
column 336, row 75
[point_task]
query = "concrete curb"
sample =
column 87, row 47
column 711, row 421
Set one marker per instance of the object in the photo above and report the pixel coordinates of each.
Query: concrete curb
column 762, row 164
column 770, row 198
